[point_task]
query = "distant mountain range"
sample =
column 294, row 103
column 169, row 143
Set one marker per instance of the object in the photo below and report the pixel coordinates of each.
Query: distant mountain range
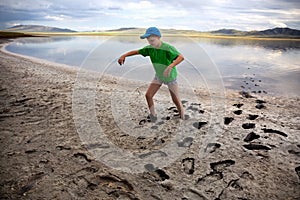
column 275, row 32
column 37, row 28
column 268, row 32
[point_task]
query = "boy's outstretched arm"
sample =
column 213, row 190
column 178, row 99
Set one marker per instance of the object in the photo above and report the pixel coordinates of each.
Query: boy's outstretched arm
column 130, row 53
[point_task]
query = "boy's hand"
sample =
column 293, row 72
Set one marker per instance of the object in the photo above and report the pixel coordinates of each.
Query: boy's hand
column 121, row 60
column 167, row 71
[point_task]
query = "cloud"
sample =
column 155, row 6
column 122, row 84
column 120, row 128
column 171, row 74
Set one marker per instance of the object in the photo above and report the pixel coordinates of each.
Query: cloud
column 56, row 18
column 139, row 5
column 277, row 23
column 191, row 14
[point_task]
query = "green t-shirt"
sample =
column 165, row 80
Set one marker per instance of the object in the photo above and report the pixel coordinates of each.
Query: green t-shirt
column 161, row 58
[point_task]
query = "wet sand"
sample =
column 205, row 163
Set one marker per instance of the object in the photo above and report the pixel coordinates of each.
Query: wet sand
column 246, row 147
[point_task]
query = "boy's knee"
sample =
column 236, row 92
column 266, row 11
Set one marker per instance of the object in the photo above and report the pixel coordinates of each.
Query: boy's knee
column 148, row 96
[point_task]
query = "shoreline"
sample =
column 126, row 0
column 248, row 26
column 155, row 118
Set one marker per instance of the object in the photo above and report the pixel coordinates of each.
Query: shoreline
column 255, row 91
column 252, row 152
column 192, row 35
column 34, row 59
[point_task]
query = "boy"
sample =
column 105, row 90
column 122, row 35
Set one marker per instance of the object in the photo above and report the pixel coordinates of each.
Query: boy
column 164, row 58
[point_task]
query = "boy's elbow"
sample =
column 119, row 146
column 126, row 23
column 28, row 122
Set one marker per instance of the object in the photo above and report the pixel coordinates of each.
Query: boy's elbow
column 181, row 57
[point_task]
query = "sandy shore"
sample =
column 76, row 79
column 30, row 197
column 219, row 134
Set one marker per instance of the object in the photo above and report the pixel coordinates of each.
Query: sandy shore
column 70, row 134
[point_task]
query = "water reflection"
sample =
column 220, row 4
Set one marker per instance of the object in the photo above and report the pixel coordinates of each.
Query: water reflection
column 283, row 45
column 42, row 40
column 253, row 65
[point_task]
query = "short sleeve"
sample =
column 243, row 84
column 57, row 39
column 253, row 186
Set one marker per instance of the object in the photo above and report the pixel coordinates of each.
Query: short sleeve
column 173, row 53
column 144, row 51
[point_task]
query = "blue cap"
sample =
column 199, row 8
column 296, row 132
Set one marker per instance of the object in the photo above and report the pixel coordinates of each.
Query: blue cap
column 151, row 31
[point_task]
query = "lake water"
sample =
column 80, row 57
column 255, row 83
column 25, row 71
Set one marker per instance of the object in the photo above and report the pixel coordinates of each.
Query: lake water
column 257, row 66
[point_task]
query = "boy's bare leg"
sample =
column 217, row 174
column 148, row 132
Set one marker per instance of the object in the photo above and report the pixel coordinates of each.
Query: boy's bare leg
column 174, row 91
column 152, row 89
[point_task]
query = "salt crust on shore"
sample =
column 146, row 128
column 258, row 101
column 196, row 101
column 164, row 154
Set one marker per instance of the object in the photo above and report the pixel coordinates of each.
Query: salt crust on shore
column 253, row 153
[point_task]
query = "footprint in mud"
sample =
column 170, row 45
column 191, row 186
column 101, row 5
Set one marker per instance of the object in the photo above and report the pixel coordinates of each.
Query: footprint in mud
column 251, row 136
column 176, row 115
column 156, row 173
column 167, row 118
column 142, row 122
column 174, row 110
column 238, row 105
column 192, row 194
column 297, row 169
column 235, row 184
column 216, row 174
column 188, row 165
column 238, row 112
column 161, row 154
column 82, row 157
column 210, row 178
column 246, row 94
column 228, row 120
column 260, row 101
column 247, row 175
column 211, row 147
column 109, row 181
column 160, row 123
column 186, row 117
column 184, row 102
column 266, row 130
column 162, row 174
column 193, row 109
column 294, row 151
column 256, row 147
column 154, row 127
column 260, row 106
column 199, row 125
column 30, row 151
column 252, row 117
column 60, row 148
column 186, row 142
column 248, row 125
column 149, row 118
column 221, row 165
column 150, row 167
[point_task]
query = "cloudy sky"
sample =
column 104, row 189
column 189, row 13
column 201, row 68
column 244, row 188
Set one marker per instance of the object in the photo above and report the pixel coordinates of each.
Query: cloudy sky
column 87, row 15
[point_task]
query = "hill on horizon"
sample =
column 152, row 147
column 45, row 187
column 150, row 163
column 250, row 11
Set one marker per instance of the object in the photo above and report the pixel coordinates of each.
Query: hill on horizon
column 275, row 32
column 279, row 32
column 38, row 28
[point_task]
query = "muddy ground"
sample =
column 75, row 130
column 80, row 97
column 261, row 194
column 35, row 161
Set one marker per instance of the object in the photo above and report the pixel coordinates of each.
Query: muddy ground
column 52, row 146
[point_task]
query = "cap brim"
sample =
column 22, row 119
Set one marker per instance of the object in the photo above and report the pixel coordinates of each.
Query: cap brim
column 144, row 36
